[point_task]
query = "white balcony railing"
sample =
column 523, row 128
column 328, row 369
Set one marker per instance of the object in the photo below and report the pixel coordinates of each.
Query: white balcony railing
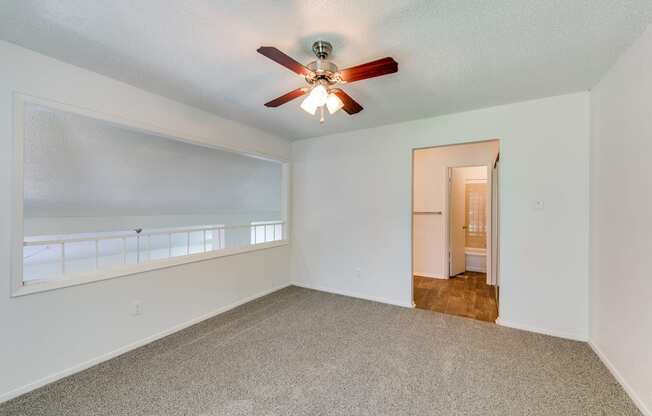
column 47, row 259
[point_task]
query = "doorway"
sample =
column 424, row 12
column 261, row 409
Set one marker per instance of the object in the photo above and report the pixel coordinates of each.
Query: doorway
column 455, row 230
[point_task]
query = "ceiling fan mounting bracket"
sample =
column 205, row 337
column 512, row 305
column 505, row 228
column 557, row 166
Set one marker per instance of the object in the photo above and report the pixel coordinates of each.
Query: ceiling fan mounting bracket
column 322, row 49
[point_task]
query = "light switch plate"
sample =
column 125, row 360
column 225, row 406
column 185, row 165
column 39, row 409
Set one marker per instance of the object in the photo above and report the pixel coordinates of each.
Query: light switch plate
column 136, row 308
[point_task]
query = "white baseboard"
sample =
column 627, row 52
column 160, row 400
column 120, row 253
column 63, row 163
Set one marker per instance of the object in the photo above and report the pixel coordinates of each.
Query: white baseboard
column 628, row 389
column 409, row 304
column 544, row 331
column 112, row 354
column 476, row 269
column 431, row 275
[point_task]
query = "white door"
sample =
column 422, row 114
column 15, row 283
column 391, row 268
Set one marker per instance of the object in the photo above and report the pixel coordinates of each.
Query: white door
column 456, row 198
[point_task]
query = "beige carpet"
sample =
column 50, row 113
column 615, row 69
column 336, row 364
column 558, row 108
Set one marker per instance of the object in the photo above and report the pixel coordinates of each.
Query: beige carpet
column 302, row 352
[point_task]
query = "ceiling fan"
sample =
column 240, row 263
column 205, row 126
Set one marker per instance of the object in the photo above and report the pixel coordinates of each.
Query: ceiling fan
column 323, row 78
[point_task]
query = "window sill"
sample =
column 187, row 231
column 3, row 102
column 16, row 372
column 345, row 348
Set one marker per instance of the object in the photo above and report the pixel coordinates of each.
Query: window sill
column 140, row 268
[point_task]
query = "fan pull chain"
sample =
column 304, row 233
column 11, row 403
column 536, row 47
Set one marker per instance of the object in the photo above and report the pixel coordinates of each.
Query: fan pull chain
column 321, row 119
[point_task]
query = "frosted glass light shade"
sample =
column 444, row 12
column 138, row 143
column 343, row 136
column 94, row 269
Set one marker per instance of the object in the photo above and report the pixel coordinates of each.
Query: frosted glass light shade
column 319, row 95
column 334, row 103
column 309, row 106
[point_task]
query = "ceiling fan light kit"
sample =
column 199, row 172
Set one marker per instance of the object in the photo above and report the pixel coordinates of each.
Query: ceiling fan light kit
column 334, row 104
column 323, row 77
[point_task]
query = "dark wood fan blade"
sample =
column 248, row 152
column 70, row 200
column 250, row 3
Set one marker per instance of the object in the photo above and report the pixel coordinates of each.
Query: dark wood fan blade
column 286, row 97
column 351, row 106
column 281, row 58
column 372, row 69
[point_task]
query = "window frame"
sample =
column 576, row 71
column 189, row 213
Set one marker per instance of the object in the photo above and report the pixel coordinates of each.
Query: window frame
column 16, row 227
column 255, row 224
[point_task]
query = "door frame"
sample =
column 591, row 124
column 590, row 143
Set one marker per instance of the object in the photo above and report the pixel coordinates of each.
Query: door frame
column 411, row 212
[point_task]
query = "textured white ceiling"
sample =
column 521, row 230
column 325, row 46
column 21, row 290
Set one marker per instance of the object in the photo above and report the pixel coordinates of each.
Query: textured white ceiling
column 77, row 166
column 453, row 55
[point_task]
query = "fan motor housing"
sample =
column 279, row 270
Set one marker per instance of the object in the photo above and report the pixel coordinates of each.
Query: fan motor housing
column 322, row 67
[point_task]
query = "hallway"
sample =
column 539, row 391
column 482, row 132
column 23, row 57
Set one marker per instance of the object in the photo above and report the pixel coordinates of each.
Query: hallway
column 466, row 294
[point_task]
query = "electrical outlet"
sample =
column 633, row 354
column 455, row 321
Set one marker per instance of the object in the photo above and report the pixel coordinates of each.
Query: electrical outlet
column 538, row 205
column 358, row 272
column 136, row 308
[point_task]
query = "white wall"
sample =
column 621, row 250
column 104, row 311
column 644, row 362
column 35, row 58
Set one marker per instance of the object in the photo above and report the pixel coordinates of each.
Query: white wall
column 476, row 172
column 352, row 208
column 431, row 194
column 621, row 221
column 67, row 320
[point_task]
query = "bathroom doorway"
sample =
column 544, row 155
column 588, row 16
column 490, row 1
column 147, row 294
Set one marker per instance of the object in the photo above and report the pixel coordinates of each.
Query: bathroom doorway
column 468, row 219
